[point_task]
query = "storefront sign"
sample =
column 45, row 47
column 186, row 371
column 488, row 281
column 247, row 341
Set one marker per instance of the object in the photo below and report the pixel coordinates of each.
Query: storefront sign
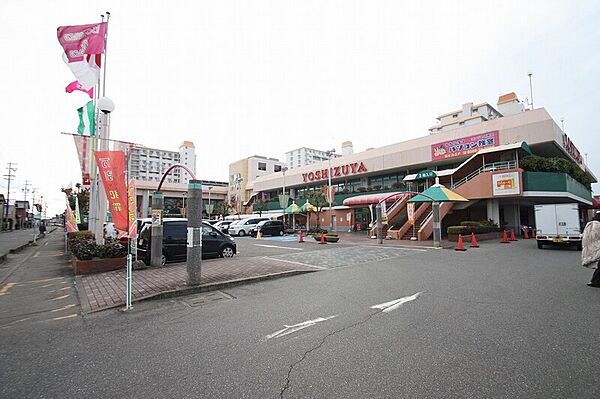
column 111, row 166
column 157, row 217
column 506, row 183
column 465, row 146
column 425, row 174
column 571, row 149
column 336, row 171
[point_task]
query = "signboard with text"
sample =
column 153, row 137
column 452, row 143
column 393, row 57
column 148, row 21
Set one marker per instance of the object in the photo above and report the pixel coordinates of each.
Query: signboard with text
column 410, row 212
column 111, row 165
column 131, row 208
column 506, row 183
column 464, row 146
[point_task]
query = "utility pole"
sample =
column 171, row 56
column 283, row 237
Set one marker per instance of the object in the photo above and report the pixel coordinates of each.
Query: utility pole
column 33, row 212
column 9, row 176
column 25, row 191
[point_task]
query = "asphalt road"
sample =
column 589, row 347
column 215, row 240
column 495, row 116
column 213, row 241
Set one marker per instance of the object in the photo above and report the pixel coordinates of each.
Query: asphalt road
column 499, row 321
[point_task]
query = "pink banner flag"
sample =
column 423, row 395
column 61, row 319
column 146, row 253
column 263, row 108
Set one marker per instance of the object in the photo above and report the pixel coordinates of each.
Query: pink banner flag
column 87, row 71
column 75, row 85
column 79, row 40
column 70, row 220
column 83, row 144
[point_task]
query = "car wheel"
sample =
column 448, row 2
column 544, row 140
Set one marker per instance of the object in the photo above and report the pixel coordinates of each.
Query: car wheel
column 163, row 260
column 280, row 232
column 227, row 252
column 242, row 233
column 579, row 247
column 540, row 245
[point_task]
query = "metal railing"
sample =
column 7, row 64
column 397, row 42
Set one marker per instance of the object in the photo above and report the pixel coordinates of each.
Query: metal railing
column 490, row 167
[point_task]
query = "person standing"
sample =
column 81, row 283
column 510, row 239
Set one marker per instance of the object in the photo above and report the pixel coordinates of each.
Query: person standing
column 590, row 255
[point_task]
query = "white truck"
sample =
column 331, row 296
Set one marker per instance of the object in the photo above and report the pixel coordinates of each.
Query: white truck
column 558, row 224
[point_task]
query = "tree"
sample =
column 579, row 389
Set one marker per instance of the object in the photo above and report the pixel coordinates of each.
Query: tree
column 317, row 198
column 259, row 206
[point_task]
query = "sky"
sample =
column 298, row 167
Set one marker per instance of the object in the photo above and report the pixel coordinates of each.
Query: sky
column 240, row 78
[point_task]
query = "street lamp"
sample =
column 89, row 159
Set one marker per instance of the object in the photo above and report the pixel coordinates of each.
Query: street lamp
column 329, row 154
column 209, row 207
column 238, row 181
column 283, row 201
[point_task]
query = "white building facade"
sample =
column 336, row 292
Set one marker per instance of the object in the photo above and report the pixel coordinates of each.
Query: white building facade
column 304, row 156
column 149, row 164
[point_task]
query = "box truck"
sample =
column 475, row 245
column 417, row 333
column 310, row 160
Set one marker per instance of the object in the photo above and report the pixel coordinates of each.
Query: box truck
column 558, row 224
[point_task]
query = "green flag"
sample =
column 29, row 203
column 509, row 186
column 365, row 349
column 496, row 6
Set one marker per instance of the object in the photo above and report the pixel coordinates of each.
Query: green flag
column 86, row 119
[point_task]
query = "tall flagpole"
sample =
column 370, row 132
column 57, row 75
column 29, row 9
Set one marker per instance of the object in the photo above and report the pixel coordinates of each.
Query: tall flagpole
column 103, row 133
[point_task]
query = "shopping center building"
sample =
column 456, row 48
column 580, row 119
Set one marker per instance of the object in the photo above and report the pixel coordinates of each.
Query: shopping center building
column 476, row 151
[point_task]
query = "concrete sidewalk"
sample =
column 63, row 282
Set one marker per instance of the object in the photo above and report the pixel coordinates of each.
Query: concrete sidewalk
column 15, row 240
column 107, row 290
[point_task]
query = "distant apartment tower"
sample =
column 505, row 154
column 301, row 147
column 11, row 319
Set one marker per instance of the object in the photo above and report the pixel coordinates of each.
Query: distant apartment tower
column 242, row 174
column 149, row 164
column 306, row 156
column 472, row 114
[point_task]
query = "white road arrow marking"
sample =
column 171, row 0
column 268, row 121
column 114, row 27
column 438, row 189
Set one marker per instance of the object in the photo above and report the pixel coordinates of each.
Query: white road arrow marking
column 297, row 327
column 396, row 303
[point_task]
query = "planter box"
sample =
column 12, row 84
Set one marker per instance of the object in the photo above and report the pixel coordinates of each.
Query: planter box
column 97, row 265
column 332, row 239
column 480, row 237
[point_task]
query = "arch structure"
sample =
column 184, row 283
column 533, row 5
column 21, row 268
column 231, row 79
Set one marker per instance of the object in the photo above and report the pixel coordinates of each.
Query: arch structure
column 177, row 165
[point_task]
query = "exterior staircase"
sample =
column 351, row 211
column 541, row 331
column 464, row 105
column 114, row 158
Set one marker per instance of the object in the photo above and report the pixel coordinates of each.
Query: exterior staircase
column 392, row 212
column 421, row 214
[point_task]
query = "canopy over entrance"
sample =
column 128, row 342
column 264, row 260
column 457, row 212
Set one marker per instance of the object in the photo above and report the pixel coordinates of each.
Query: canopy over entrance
column 373, row 199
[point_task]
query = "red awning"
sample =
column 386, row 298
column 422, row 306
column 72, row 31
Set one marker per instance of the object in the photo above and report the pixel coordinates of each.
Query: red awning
column 373, row 199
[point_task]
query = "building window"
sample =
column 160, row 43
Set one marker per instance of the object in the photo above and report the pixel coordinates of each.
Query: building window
column 262, row 166
column 277, row 168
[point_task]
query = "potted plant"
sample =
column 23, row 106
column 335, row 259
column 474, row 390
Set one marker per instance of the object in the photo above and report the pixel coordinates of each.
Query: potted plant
column 332, row 237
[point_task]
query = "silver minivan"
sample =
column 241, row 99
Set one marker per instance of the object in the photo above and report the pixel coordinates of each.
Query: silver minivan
column 243, row 227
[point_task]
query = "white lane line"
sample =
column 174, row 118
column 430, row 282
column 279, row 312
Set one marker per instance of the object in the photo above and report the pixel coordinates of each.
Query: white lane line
column 295, row 263
column 60, row 297
column 277, row 246
column 63, row 308
column 70, row 316
column 399, row 247
column 396, row 303
column 297, row 327
column 8, row 286
column 14, row 322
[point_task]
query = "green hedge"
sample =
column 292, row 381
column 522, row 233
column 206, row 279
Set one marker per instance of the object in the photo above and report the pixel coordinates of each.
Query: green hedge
column 467, row 230
column 470, row 223
column 534, row 163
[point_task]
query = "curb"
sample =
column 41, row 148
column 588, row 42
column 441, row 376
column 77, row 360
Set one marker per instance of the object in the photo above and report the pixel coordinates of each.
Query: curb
column 86, row 308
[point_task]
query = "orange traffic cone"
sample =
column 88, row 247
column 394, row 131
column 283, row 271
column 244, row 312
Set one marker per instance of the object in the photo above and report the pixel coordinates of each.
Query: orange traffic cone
column 512, row 235
column 474, row 243
column 526, row 233
column 505, row 238
column 322, row 238
column 461, row 245
column 301, row 237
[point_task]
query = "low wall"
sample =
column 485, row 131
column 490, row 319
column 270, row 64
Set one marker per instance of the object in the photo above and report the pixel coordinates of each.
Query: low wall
column 97, row 265
column 480, row 237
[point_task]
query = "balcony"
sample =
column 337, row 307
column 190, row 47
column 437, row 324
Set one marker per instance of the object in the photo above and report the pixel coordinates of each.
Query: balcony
column 554, row 183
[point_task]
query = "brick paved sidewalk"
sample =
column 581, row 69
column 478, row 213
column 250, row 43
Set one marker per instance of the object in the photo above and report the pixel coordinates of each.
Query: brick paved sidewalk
column 107, row 290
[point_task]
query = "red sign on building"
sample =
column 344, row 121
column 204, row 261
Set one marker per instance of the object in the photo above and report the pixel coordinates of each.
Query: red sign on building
column 111, row 165
column 336, row 171
column 464, row 146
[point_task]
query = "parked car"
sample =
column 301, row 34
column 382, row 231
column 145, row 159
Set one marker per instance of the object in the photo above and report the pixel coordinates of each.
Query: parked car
column 268, row 228
column 243, row 227
column 223, row 226
column 212, row 222
column 214, row 243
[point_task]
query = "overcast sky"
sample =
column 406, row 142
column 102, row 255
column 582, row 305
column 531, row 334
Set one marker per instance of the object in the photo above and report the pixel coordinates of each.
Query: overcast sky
column 240, row 78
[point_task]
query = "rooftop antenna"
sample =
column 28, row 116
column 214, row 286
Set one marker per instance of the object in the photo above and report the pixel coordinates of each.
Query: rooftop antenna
column 530, row 74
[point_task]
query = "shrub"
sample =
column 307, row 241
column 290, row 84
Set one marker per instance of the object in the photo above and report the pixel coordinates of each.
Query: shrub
column 316, row 230
column 467, row 230
column 534, row 163
column 82, row 234
column 470, row 223
column 377, row 187
column 361, row 189
column 85, row 248
column 489, row 223
column 396, row 185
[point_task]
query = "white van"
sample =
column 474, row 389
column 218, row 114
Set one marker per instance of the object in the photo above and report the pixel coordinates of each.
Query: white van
column 243, row 227
column 558, row 224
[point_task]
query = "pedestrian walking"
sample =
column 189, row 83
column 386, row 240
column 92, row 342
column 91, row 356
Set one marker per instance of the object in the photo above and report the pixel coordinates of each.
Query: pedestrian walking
column 590, row 255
